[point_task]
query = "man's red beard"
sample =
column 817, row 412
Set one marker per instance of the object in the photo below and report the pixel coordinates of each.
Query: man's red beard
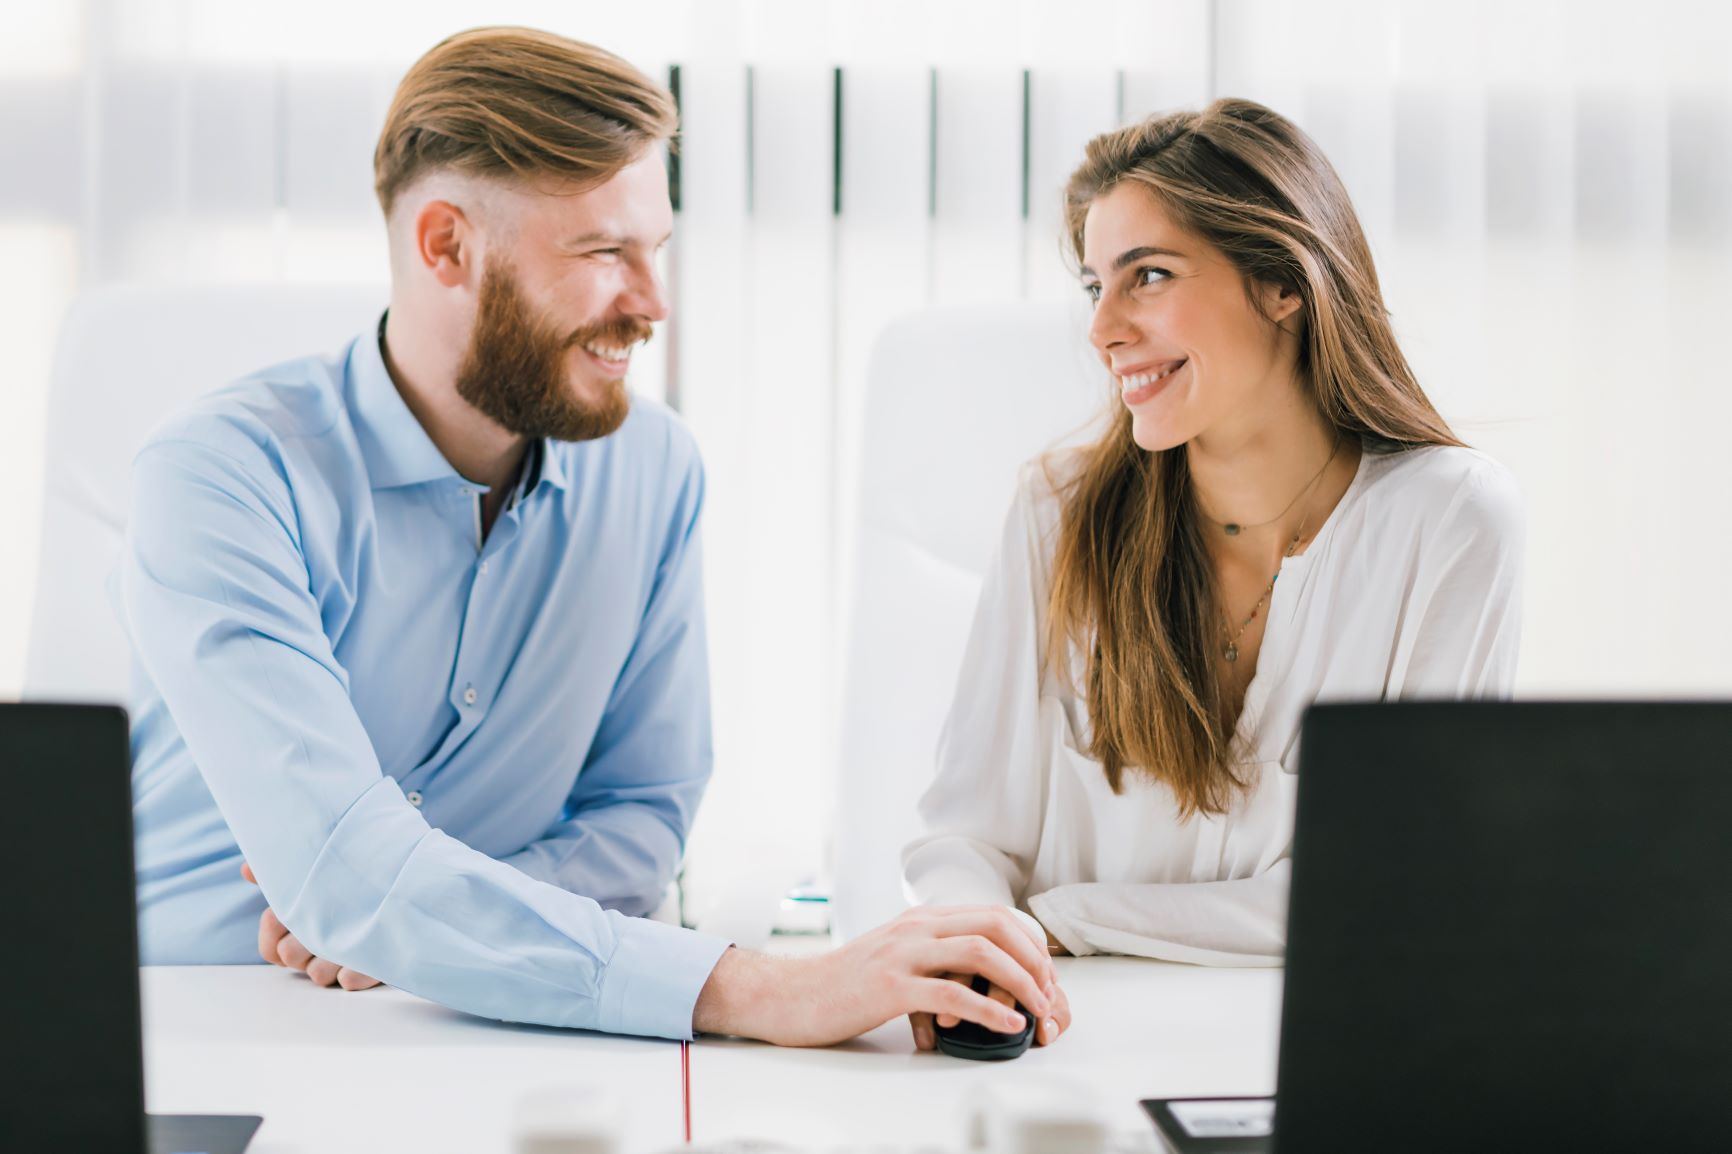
column 515, row 369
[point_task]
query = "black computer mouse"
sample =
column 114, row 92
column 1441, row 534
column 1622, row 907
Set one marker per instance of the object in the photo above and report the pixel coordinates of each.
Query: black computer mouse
column 971, row 1040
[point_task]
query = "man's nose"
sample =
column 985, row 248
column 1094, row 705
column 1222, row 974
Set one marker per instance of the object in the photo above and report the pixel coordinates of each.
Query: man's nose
column 646, row 296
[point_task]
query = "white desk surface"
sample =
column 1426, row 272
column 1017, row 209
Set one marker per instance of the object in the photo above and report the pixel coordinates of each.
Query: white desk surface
column 377, row 1071
column 383, row 1071
column 1140, row 1029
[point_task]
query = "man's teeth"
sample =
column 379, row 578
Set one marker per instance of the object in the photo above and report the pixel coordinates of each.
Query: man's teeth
column 611, row 352
column 1141, row 379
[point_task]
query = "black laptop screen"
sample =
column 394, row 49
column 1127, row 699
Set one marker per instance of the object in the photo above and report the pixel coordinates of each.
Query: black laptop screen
column 69, row 1004
column 1510, row 929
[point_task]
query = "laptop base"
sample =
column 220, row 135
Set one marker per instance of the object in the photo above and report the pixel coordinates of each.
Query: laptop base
column 201, row 1133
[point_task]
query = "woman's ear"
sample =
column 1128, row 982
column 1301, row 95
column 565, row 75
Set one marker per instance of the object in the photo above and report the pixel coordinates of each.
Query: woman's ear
column 1279, row 301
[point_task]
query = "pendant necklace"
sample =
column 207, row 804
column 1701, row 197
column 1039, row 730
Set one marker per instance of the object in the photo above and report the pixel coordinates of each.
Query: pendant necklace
column 1231, row 653
column 1234, row 528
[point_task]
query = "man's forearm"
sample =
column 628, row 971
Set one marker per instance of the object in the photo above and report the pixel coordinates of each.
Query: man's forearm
column 623, row 856
column 738, row 995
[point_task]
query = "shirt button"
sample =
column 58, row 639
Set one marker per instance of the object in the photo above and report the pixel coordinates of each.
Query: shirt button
column 414, row 797
column 469, row 696
column 484, row 568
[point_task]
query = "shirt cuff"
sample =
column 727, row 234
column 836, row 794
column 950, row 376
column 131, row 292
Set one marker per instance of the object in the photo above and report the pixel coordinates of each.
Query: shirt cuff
column 1047, row 908
column 652, row 982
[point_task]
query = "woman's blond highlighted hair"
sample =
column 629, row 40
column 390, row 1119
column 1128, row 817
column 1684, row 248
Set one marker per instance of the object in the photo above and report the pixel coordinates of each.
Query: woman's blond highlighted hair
column 518, row 104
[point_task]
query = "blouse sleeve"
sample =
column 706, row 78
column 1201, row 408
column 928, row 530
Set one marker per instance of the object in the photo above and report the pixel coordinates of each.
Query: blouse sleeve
column 1457, row 636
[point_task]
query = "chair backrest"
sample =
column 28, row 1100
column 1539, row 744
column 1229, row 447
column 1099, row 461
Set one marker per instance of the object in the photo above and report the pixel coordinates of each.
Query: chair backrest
column 957, row 398
column 127, row 358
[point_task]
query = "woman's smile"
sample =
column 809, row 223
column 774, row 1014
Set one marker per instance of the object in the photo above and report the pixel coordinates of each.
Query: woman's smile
column 1143, row 382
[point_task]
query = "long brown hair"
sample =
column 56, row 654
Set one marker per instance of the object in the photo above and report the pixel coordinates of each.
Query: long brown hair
column 1133, row 586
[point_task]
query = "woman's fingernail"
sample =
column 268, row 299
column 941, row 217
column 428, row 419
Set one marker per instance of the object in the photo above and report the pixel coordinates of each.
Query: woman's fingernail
column 1051, row 1029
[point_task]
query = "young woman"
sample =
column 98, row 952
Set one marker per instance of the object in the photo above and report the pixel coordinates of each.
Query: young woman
column 1276, row 515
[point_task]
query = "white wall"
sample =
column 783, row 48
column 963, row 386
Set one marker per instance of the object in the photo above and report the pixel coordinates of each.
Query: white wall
column 1548, row 187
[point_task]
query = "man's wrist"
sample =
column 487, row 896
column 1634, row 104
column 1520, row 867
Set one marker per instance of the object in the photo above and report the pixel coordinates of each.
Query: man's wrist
column 732, row 1000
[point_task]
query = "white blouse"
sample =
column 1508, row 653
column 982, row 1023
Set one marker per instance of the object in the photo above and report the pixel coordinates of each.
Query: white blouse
column 1410, row 589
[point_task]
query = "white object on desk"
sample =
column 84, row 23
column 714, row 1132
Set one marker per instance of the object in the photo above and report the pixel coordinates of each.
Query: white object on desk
column 573, row 1119
column 1028, row 1115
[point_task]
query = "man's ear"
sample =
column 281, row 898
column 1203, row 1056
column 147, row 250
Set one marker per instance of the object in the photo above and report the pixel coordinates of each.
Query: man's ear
column 445, row 243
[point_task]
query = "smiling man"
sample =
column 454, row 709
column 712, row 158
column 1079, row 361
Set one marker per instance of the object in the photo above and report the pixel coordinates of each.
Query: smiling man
column 422, row 693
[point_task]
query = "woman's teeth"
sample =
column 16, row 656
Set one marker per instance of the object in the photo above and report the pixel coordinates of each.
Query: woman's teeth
column 1141, row 379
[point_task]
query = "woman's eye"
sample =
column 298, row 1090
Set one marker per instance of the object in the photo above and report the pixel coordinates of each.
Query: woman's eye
column 1151, row 275
column 1093, row 292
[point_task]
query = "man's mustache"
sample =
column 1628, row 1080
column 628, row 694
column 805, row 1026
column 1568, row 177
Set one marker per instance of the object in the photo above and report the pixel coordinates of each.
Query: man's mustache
column 614, row 334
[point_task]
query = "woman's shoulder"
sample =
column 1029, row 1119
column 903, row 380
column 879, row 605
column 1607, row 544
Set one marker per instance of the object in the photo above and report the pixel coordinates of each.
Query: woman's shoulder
column 1043, row 484
column 1443, row 486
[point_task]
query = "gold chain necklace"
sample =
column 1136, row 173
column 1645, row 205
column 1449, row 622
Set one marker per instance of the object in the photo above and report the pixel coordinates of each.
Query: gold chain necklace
column 1234, row 528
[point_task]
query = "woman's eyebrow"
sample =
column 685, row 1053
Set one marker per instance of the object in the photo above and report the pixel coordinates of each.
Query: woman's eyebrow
column 1131, row 255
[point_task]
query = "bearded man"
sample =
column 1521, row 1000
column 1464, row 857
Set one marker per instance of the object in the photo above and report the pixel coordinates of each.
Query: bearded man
column 421, row 690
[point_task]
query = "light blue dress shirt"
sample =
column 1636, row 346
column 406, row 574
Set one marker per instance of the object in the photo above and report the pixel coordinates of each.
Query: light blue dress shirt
column 459, row 765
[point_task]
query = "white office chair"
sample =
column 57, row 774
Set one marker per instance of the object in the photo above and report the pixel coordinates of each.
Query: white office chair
column 126, row 359
column 957, row 398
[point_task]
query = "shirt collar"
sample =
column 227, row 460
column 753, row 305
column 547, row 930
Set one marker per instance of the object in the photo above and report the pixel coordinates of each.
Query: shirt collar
column 546, row 465
column 397, row 449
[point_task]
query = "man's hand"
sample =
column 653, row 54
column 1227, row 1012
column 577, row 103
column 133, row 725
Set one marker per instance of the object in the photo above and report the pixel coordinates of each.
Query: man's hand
column 899, row 968
column 281, row 948
column 1046, row 1029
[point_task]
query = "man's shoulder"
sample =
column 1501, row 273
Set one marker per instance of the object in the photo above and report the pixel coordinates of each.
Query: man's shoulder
column 659, row 425
column 264, row 417
column 653, row 442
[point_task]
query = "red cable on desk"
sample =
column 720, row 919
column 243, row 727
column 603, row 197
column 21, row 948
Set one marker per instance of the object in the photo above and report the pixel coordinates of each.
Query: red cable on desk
column 686, row 1085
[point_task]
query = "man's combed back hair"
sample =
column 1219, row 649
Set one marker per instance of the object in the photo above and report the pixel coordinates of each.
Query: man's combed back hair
column 516, row 103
